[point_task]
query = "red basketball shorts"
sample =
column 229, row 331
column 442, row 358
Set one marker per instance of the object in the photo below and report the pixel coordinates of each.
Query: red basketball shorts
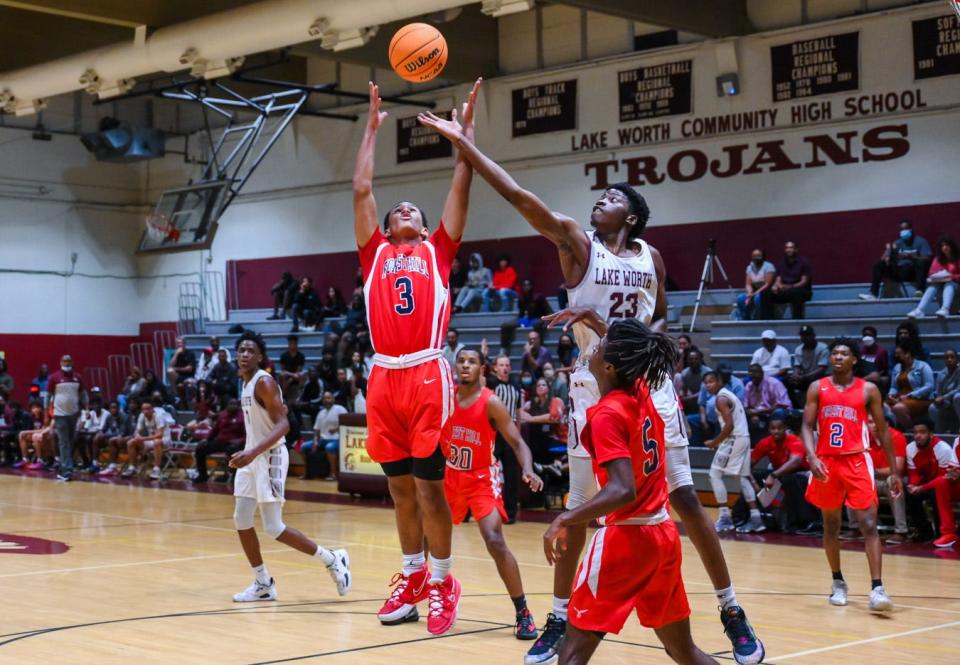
column 849, row 480
column 407, row 410
column 480, row 492
column 630, row 569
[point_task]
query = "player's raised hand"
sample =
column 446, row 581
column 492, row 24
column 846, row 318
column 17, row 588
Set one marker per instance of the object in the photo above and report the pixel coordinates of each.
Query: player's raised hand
column 555, row 541
column 469, row 106
column 448, row 129
column 573, row 315
column 533, row 481
column 376, row 116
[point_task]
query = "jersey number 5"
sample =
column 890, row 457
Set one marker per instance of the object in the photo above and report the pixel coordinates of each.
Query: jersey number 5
column 404, row 287
column 836, row 435
column 624, row 306
column 651, row 447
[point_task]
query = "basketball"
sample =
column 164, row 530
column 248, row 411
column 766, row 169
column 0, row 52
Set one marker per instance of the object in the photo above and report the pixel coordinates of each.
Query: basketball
column 418, row 52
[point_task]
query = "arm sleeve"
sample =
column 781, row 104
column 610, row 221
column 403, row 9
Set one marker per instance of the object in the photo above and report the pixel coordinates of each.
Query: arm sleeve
column 610, row 437
column 369, row 251
column 447, row 250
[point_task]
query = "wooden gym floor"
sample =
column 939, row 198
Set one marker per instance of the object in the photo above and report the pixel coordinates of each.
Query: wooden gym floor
column 149, row 575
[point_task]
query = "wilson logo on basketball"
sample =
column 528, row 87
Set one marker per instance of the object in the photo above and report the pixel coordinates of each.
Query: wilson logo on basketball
column 421, row 61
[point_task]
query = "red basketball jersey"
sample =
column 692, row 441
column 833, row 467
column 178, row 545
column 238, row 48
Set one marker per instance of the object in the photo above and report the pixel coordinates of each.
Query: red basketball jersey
column 405, row 287
column 842, row 421
column 626, row 426
column 472, row 436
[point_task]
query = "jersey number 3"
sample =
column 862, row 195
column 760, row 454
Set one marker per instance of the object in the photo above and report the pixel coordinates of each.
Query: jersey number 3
column 404, row 287
column 650, row 446
column 836, row 435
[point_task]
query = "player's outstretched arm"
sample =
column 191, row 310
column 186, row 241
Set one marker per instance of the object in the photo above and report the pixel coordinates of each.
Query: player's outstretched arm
column 455, row 209
column 503, row 423
column 806, row 430
column 564, row 232
column 267, row 393
column 364, row 205
column 874, row 403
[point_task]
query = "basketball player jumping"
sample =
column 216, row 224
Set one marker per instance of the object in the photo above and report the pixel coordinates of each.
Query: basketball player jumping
column 611, row 274
column 261, row 473
column 837, row 407
column 633, row 561
column 410, row 389
column 474, row 478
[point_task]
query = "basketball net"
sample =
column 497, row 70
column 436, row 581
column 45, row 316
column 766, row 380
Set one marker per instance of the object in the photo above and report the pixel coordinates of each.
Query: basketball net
column 159, row 229
column 956, row 7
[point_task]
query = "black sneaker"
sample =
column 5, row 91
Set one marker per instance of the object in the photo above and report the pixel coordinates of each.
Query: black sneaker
column 546, row 650
column 525, row 629
column 747, row 649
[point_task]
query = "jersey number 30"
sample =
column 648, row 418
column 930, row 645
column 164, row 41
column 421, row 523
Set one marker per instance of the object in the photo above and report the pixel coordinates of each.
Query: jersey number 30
column 404, row 287
column 650, row 446
column 461, row 458
column 836, row 435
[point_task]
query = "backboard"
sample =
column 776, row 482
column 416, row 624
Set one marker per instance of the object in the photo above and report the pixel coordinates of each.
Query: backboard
column 190, row 214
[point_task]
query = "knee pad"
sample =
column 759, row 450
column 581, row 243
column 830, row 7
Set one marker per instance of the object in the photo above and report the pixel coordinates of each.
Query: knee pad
column 243, row 513
column 272, row 515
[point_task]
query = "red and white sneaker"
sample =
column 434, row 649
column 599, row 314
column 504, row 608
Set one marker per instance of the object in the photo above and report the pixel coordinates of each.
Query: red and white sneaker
column 444, row 601
column 401, row 606
column 946, row 540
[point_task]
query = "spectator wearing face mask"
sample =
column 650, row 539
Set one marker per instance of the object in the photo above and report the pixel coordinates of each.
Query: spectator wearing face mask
column 567, row 351
column 904, row 260
column 557, row 381
column 66, row 389
column 755, row 301
column 872, row 351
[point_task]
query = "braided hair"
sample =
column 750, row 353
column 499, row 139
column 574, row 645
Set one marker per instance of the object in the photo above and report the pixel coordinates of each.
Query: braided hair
column 636, row 353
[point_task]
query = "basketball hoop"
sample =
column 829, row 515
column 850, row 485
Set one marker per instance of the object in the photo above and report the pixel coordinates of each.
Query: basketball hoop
column 956, row 7
column 159, row 229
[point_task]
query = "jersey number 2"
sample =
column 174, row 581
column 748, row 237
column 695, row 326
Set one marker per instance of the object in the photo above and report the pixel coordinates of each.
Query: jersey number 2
column 404, row 286
column 650, row 446
column 836, row 435
column 617, row 308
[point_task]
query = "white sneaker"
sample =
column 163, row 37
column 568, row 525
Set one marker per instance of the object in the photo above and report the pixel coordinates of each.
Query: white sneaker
column 915, row 313
column 192, row 474
column 867, row 296
column 880, row 601
column 724, row 524
column 155, row 473
column 753, row 526
column 257, row 592
column 942, row 313
column 129, row 471
column 838, row 593
column 340, row 571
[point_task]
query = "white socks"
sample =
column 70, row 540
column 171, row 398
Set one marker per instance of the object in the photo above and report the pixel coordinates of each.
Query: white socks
column 560, row 607
column 263, row 575
column 724, row 511
column 324, row 555
column 754, row 514
column 726, row 597
column 439, row 569
column 412, row 563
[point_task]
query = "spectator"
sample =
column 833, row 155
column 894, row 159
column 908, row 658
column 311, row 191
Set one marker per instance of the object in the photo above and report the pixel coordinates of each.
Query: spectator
column 755, row 300
column 306, row 306
column 204, row 412
column 684, row 344
column 765, row 399
column 228, row 435
column 793, row 284
column 945, row 409
column 531, row 308
column 478, row 281
column 567, row 351
column 223, row 378
column 872, row 351
column 510, row 394
column 214, row 343
column 182, row 368
column 40, row 436
column 327, row 369
column 326, row 440
column 810, row 361
column 356, row 314
column 309, row 400
column 458, row 278
column 132, row 387
column 40, row 382
column 946, row 489
column 453, row 347
column 558, row 382
column 291, row 368
column 16, row 421
column 942, row 278
column 358, row 395
column 773, row 358
column 905, row 260
column 66, row 388
column 150, row 435
column 691, row 380
column 282, row 294
column 204, row 366
column 341, row 388
column 928, row 460
column 882, row 473
column 346, row 348
column 535, row 355
column 908, row 336
column 6, row 380
column 89, row 425
column 117, row 429
column 704, row 421
column 505, row 284
column 911, row 390
column 151, row 384
column 358, row 368
column 336, row 304
column 788, row 466
column 543, row 416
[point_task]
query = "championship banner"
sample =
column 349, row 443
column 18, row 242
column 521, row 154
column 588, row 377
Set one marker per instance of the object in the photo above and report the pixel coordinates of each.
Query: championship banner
column 548, row 107
column 936, row 47
column 416, row 142
column 819, row 66
column 655, row 91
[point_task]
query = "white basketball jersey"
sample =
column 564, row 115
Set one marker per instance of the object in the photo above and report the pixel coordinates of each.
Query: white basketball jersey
column 740, row 426
column 255, row 417
column 615, row 287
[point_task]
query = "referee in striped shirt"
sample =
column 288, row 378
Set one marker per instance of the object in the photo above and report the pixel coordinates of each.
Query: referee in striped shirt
column 508, row 393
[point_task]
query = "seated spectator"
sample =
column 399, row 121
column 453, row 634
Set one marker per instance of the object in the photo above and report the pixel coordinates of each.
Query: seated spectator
column 793, row 285
column 911, row 389
column 151, row 384
column 39, row 437
column 223, row 379
column 89, row 425
column 704, row 421
column 347, row 346
column 204, row 366
column 341, row 388
column 543, row 416
column 336, row 305
column 882, row 473
column 15, row 421
column 527, row 383
column 6, row 380
column 942, row 279
column 684, row 344
column 282, row 294
column 787, row 466
column 945, row 409
column 309, row 400
column 40, row 383
column 358, row 392
column 531, row 308
column 356, row 314
column 228, row 435
column 182, row 368
column 205, row 409
column 810, row 361
column 755, row 301
column 690, row 381
column 764, row 399
column 291, row 368
column 327, row 369
column 306, row 306
column 871, row 351
column 904, row 260
column 908, row 336
column 326, row 440
column 478, row 281
column 535, row 355
column 458, row 278
column 132, row 387
column 150, row 434
column 452, row 347
column 559, row 382
column 214, row 343
column 928, row 461
column 505, row 284
column 116, row 431
column 773, row 358
column 567, row 351
column 357, row 368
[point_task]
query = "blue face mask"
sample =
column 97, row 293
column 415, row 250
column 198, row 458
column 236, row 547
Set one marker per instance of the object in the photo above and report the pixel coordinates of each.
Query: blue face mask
column 906, row 234
column 527, row 381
